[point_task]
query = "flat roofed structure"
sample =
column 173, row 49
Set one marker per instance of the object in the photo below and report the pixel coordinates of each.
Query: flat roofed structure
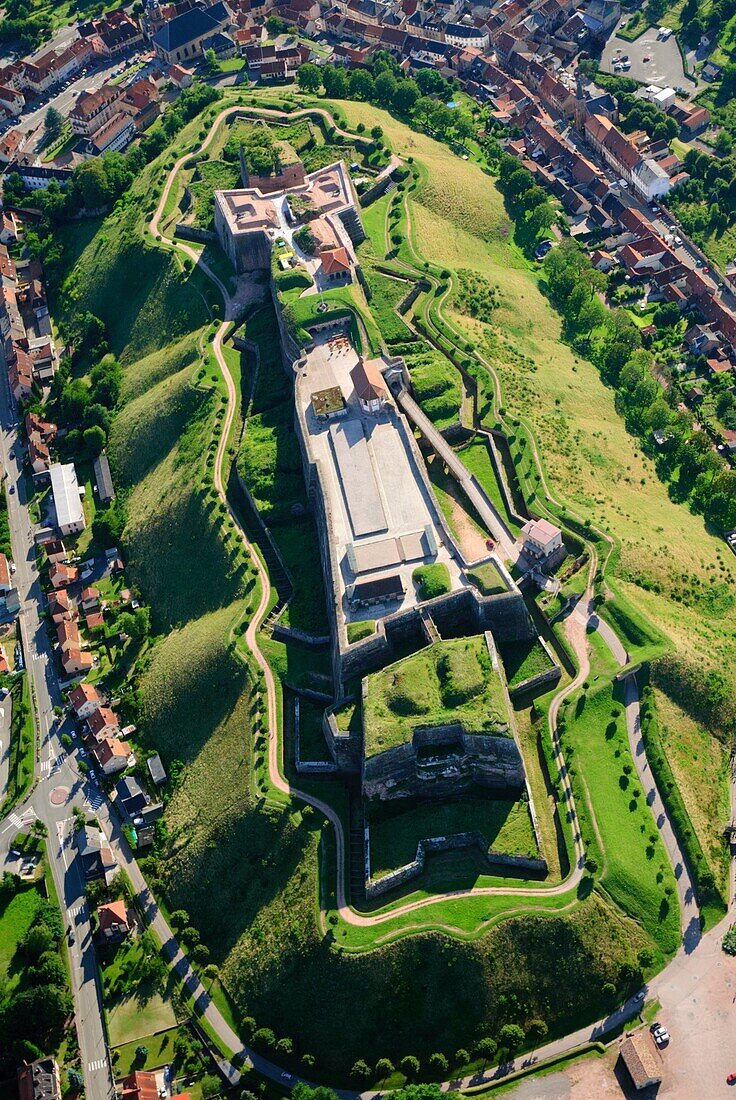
column 381, row 518
column 328, row 403
column 103, row 479
column 358, row 480
column 67, row 501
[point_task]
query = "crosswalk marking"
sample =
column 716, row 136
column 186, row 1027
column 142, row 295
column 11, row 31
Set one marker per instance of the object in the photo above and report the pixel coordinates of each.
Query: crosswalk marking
column 76, row 910
column 94, row 800
column 100, row 1063
column 15, row 821
column 45, row 767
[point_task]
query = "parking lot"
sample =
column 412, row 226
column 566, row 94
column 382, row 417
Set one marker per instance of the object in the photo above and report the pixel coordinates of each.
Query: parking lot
column 664, row 68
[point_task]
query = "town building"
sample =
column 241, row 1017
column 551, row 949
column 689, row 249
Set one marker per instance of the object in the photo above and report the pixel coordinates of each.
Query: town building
column 113, row 920
column 39, row 1080
column 67, row 498
column 103, row 479
column 641, row 1060
column 370, row 387
column 181, row 39
column 85, row 699
column 541, row 540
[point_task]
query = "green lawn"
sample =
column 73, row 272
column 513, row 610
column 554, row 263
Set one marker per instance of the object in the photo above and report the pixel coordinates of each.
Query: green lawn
column 135, row 1007
column 636, row 869
column 487, row 579
column 476, row 457
column 160, row 1049
column 506, row 826
column 523, row 660
column 17, row 914
column 451, row 681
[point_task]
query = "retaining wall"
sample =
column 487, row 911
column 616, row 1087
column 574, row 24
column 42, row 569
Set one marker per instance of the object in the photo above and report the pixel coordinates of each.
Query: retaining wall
column 374, row 888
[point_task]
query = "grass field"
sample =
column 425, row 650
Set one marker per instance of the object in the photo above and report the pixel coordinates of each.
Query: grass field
column 135, row 1008
column 523, row 660
column 476, row 457
column 160, row 1048
column 636, row 871
column 17, row 915
column 506, row 826
column 450, row 681
column 700, row 765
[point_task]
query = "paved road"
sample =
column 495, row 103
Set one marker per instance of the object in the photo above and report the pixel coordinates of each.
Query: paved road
column 56, row 770
column 6, row 713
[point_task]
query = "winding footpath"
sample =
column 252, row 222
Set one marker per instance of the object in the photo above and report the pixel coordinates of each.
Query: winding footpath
column 579, row 622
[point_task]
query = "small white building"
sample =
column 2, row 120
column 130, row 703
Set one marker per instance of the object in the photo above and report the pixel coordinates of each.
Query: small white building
column 541, row 539
column 67, row 498
column 370, row 387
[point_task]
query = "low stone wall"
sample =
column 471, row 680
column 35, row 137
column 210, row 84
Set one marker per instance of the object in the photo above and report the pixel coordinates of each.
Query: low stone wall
column 542, row 679
column 537, row 867
column 346, row 749
column 193, row 233
column 290, row 633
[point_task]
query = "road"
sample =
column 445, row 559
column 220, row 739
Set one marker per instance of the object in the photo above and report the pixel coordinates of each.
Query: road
column 6, row 714
column 57, row 772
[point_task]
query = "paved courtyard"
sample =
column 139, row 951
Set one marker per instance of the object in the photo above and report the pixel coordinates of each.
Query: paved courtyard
column 383, row 517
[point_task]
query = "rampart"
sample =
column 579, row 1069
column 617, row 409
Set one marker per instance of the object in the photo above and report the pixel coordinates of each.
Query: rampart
column 535, row 867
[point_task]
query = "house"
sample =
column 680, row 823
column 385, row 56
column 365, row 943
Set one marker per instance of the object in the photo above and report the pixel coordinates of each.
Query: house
column 181, row 38
column 54, row 550
column 694, row 395
column 39, row 455
column 61, row 576
column 67, row 633
column 113, row 755
column 61, row 607
column 137, row 808
column 10, row 144
column 335, row 265
column 39, row 1080
column 139, row 1086
column 710, row 71
column 77, row 661
column 95, row 620
column 541, row 539
column 5, row 582
column 180, row 76
column 93, row 109
column 641, row 1060
column 114, row 135
column 156, row 769
column 9, row 227
column 103, row 722
column 89, row 599
column 370, row 387
column 95, row 854
column 67, row 498
column 20, row 373
column 35, row 425
column 103, row 479
column 113, row 921
column 85, row 699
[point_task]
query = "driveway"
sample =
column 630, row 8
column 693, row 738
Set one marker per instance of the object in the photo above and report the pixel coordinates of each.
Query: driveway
column 665, row 68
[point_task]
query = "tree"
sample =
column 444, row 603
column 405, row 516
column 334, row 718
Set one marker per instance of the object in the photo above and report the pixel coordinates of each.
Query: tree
column 335, row 80
column 210, row 62
column 424, row 109
column 511, row 1037
column 37, row 941
column 537, row 1029
column 360, row 85
column 384, row 1068
column 438, row 1064
column 309, row 77
column 52, row 124
column 361, row 1070
column 486, row 1048
column 384, row 88
column 211, row 1086
column 405, row 96
column 409, row 1066
column 463, row 125
column 141, row 1052
column 94, row 440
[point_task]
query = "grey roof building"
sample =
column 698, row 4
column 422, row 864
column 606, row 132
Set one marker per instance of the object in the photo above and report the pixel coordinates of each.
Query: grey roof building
column 103, row 479
column 181, row 38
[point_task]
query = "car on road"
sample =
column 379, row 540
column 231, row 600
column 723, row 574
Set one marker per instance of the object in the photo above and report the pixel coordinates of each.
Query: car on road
column 731, row 1079
column 678, row 240
column 71, row 938
column 82, row 752
column 646, row 58
column 12, row 489
column 14, row 853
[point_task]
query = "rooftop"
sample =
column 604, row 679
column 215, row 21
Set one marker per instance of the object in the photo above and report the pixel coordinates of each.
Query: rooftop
column 65, row 489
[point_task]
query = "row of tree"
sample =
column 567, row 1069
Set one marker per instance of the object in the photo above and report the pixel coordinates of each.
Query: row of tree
column 703, row 477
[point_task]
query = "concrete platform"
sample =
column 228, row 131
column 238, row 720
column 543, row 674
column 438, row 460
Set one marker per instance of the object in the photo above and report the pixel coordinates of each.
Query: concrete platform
column 357, row 477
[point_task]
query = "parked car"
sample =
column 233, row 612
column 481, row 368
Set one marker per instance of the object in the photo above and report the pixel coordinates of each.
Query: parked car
column 731, row 1079
column 661, row 1034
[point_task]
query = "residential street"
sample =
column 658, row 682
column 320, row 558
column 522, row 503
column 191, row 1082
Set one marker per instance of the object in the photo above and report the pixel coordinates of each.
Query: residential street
column 57, row 777
column 6, row 712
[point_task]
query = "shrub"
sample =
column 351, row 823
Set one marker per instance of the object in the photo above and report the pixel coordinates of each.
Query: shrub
column 432, row 580
column 438, row 1064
